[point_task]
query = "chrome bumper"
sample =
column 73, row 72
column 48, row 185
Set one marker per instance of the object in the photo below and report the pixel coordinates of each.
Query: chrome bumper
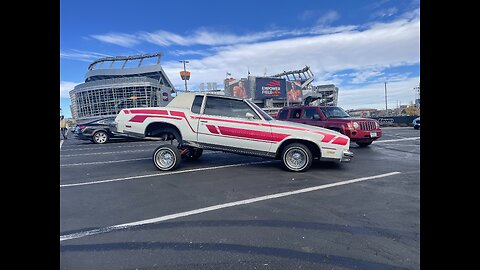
column 346, row 156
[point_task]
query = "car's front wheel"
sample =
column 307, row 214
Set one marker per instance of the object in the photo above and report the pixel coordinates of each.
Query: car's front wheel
column 100, row 137
column 166, row 157
column 296, row 157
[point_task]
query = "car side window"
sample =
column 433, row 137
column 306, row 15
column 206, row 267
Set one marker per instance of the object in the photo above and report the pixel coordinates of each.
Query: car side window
column 106, row 121
column 228, row 107
column 283, row 114
column 197, row 104
column 308, row 113
column 295, row 114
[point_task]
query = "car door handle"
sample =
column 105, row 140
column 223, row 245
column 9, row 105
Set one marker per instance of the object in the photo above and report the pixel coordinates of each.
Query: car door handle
column 203, row 121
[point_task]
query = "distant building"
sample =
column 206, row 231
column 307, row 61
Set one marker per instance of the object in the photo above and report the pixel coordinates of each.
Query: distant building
column 326, row 95
column 363, row 112
column 108, row 90
column 283, row 89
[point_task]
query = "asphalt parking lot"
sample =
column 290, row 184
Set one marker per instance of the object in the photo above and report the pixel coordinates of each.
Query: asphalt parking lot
column 226, row 211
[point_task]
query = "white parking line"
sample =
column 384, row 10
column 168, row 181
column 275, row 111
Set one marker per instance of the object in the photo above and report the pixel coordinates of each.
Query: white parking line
column 92, row 144
column 397, row 140
column 115, row 161
column 217, row 207
column 164, row 173
column 398, row 144
column 104, row 153
column 103, row 162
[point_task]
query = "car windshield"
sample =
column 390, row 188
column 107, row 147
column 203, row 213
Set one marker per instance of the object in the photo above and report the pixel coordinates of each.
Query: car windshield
column 260, row 111
column 334, row 112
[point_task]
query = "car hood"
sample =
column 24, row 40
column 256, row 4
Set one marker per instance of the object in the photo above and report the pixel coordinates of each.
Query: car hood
column 350, row 119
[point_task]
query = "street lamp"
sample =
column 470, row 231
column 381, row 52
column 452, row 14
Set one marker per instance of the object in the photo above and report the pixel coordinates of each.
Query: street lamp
column 386, row 109
column 185, row 73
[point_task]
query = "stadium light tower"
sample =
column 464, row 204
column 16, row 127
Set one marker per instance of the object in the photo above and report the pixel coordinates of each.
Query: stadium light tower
column 185, row 72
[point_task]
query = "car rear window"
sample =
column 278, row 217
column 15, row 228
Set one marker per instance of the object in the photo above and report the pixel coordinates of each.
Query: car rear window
column 197, row 104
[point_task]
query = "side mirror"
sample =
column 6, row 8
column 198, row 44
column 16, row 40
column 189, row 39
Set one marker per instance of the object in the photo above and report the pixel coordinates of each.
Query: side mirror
column 316, row 117
column 249, row 116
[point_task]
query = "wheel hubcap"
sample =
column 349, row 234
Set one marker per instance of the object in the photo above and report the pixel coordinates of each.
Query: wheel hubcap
column 100, row 137
column 296, row 158
column 165, row 158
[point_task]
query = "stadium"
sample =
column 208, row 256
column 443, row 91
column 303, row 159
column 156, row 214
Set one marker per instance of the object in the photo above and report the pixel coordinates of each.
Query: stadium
column 114, row 83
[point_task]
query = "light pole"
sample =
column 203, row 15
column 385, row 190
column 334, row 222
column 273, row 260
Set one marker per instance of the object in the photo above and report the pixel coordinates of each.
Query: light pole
column 185, row 73
column 386, row 109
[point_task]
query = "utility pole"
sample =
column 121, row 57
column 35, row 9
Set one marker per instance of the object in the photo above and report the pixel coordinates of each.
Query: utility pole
column 386, row 108
column 185, row 70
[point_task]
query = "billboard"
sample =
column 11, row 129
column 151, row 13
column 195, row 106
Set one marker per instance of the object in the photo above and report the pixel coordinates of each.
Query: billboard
column 237, row 88
column 294, row 91
column 270, row 88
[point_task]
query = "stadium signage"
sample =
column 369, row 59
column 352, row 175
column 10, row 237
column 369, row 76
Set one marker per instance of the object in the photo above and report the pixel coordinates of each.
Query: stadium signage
column 270, row 88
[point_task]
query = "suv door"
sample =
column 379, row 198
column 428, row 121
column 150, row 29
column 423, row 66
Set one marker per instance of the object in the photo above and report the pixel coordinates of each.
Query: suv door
column 224, row 123
column 295, row 115
column 310, row 116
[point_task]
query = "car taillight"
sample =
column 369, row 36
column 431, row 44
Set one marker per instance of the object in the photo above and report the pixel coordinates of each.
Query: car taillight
column 82, row 127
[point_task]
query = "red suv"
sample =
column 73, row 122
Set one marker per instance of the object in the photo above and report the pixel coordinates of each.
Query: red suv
column 362, row 131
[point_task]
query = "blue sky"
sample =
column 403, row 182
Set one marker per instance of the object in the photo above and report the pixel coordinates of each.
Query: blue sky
column 357, row 45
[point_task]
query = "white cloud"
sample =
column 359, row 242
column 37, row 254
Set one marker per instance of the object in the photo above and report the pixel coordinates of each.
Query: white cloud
column 328, row 18
column 388, row 12
column 375, row 48
column 364, row 75
column 121, row 39
column 189, row 52
column 163, row 38
column 199, row 37
column 65, row 87
column 81, row 55
column 373, row 95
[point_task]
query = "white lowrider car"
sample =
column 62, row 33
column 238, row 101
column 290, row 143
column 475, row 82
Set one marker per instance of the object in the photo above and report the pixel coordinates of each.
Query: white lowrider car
column 192, row 122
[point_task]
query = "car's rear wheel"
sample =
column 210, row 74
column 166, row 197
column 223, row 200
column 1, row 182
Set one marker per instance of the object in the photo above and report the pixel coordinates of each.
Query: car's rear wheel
column 296, row 157
column 193, row 153
column 416, row 127
column 166, row 157
column 364, row 144
column 100, row 137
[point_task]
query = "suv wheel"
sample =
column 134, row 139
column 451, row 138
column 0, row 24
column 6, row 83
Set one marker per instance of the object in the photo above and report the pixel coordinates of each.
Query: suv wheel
column 166, row 157
column 100, row 137
column 296, row 157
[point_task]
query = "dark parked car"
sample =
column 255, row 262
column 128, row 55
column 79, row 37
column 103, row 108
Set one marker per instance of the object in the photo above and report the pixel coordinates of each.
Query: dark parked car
column 98, row 131
column 416, row 123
